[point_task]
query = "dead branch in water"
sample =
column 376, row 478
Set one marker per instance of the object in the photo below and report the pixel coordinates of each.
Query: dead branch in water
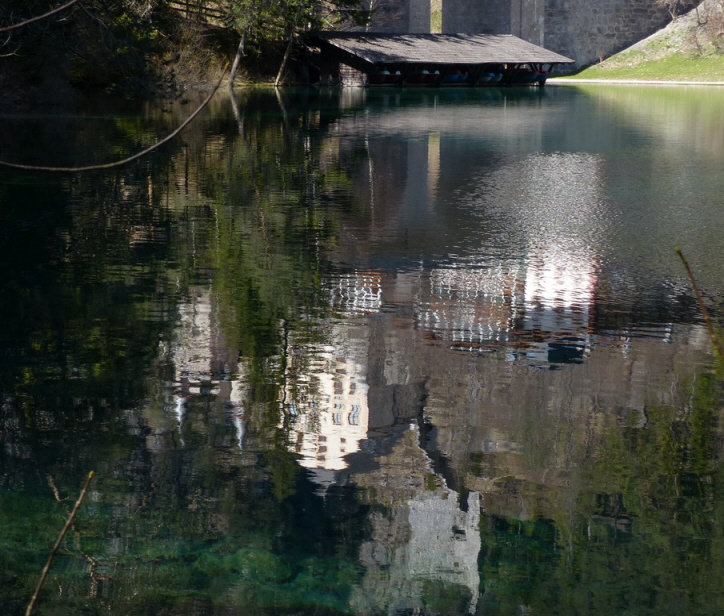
column 704, row 312
column 46, row 569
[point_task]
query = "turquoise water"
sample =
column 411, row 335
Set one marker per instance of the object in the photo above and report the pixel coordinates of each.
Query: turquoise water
column 373, row 352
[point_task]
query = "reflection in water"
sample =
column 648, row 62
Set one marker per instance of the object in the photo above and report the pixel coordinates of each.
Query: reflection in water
column 358, row 293
column 202, row 364
column 327, row 405
column 422, row 546
column 301, row 352
column 688, row 118
column 559, row 298
column 472, row 305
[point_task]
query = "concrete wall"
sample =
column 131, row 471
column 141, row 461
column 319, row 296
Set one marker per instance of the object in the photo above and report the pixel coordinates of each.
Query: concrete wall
column 419, row 17
column 409, row 16
column 591, row 31
column 476, row 16
column 585, row 31
column 528, row 20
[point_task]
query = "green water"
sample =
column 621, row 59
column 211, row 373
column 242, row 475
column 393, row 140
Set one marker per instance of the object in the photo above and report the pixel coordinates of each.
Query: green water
column 374, row 352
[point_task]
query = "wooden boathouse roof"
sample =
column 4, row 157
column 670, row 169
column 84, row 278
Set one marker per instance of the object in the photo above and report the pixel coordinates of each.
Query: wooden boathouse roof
column 439, row 48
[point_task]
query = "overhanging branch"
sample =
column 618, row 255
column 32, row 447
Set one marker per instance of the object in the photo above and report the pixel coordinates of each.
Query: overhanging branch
column 39, row 17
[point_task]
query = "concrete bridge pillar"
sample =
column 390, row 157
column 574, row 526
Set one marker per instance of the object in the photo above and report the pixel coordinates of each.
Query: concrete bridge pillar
column 396, row 16
column 527, row 20
column 522, row 18
column 419, row 17
column 585, row 30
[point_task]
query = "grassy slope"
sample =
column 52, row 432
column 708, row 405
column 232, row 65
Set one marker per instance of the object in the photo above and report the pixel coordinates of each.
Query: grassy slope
column 689, row 49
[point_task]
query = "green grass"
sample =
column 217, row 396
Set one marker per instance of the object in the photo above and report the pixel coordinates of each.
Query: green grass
column 633, row 65
column 436, row 22
column 686, row 50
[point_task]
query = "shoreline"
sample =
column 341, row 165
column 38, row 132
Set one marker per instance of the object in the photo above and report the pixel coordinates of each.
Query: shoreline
column 562, row 81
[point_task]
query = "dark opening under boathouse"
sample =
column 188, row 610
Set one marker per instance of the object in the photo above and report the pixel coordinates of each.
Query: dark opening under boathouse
column 364, row 59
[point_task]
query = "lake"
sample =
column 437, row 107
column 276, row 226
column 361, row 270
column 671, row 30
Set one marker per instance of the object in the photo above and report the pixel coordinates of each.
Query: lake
column 366, row 352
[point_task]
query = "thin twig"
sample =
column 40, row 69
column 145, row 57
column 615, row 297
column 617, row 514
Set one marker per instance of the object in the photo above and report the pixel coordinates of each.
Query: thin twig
column 53, row 487
column 46, row 569
column 13, row 53
column 125, row 160
column 39, row 17
column 704, row 312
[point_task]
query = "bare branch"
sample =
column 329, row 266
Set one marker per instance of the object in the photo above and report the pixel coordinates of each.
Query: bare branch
column 39, row 17
column 718, row 346
column 68, row 522
column 5, row 44
column 130, row 158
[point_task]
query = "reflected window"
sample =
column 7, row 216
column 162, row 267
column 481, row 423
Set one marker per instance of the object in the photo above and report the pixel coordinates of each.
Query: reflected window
column 354, row 415
column 337, row 419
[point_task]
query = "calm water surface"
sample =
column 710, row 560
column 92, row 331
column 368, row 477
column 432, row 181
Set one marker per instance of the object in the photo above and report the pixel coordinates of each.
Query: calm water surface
column 364, row 353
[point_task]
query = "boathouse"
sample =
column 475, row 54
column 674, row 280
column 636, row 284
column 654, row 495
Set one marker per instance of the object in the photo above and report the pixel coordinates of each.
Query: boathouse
column 365, row 59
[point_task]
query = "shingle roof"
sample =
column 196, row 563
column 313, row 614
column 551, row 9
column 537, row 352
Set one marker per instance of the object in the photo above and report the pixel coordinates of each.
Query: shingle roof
column 440, row 48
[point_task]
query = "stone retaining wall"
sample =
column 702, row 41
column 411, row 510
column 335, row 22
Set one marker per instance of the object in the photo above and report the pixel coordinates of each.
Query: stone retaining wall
column 589, row 32
column 584, row 30
column 408, row 16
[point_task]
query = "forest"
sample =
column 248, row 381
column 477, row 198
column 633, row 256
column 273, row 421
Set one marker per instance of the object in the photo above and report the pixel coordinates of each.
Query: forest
column 159, row 48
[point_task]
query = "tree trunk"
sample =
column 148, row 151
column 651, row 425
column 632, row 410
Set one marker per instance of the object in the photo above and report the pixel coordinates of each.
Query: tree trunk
column 288, row 50
column 237, row 58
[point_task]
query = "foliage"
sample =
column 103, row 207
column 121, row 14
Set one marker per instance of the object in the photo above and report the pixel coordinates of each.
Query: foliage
column 137, row 48
column 94, row 270
column 646, row 535
column 436, row 21
column 107, row 44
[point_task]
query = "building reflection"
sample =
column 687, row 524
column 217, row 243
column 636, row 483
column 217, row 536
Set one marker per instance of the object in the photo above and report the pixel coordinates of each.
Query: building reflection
column 433, row 435
column 559, row 297
column 204, row 365
column 422, row 393
column 423, row 543
column 349, row 425
column 471, row 306
column 327, row 406
column 539, row 310
column 523, row 273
